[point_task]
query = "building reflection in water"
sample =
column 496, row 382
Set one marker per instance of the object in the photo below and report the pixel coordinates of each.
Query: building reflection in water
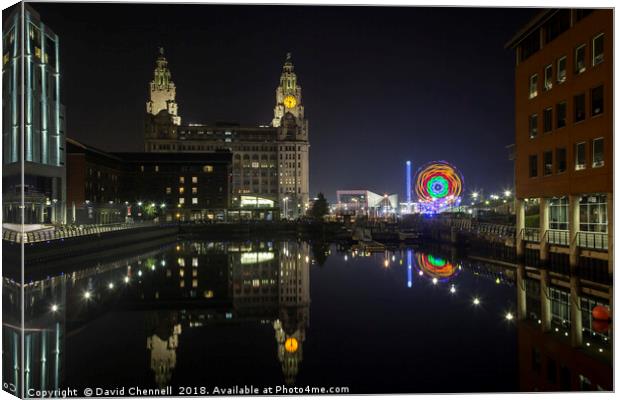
column 561, row 346
column 222, row 283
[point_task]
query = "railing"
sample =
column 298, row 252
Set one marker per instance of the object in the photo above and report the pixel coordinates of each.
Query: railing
column 555, row 236
column 66, row 231
column 593, row 240
column 530, row 234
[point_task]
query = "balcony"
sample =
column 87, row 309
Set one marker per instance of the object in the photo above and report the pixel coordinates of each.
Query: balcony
column 593, row 240
column 556, row 236
column 530, row 234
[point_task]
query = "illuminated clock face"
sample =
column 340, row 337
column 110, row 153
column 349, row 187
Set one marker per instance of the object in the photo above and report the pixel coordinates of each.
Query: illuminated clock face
column 290, row 101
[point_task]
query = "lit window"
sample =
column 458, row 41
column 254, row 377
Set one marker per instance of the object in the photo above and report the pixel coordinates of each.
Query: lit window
column 157, row 168
column 207, row 168
column 533, row 86
column 548, row 77
column 548, row 163
column 255, row 164
column 181, row 179
column 561, row 115
column 533, row 125
column 181, row 200
column 598, row 149
column 168, row 190
column 597, row 49
column 580, row 156
column 597, row 100
column 181, row 190
column 561, row 70
column 194, row 190
column 580, row 59
column 194, row 179
column 194, row 200
column 141, row 168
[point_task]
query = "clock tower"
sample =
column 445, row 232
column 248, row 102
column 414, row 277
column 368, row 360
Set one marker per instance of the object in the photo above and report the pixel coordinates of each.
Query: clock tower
column 293, row 146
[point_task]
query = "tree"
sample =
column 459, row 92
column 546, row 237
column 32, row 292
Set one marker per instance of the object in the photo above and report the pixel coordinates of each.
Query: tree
column 320, row 208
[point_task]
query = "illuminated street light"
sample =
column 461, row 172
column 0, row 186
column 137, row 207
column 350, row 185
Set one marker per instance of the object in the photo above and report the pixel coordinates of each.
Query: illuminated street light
column 110, row 285
column 126, row 279
column 87, row 295
column 140, row 203
column 509, row 317
column 507, row 193
column 54, row 307
column 476, row 301
column 434, row 281
column 452, row 289
column 474, row 195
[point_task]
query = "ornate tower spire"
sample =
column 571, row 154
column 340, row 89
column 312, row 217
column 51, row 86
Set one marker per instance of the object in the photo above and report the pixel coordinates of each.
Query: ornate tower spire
column 163, row 90
column 288, row 95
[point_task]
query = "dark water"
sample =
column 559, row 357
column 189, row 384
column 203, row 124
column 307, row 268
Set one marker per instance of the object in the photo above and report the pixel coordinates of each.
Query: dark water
column 201, row 314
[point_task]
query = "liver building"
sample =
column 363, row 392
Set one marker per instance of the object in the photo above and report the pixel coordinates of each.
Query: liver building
column 270, row 163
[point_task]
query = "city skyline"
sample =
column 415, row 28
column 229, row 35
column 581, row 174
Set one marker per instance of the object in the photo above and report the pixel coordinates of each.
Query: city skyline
column 334, row 68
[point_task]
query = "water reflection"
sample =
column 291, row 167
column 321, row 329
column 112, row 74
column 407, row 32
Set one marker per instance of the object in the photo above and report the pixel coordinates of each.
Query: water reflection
column 237, row 311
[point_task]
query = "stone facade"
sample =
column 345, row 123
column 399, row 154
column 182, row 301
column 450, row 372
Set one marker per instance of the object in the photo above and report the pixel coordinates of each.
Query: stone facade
column 270, row 163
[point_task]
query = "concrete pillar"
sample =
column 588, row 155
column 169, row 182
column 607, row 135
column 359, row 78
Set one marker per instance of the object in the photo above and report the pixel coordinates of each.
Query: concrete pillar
column 544, row 226
column 545, row 301
column 520, row 214
column 573, row 228
column 610, row 232
column 576, row 331
column 521, row 293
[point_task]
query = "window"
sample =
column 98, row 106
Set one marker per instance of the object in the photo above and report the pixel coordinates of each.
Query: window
column 547, row 119
column 181, row 179
column 597, row 49
column 558, row 217
column 533, row 125
column 561, row 115
column 533, row 166
column 593, row 213
column 194, row 179
column 580, row 59
column 181, row 190
column 597, row 100
column 580, row 156
column 181, row 200
column 548, row 77
column 157, row 168
column 580, row 107
column 194, row 200
column 208, row 168
column 547, row 163
column 533, row 86
column 168, row 190
column 560, row 160
column 561, row 70
column 598, row 149
column 141, row 168
column 194, row 190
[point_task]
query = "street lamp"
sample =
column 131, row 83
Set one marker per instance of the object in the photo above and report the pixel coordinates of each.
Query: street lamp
column 507, row 193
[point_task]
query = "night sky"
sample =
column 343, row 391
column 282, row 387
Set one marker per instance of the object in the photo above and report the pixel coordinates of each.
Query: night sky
column 380, row 85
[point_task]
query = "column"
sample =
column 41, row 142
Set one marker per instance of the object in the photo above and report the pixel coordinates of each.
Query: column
column 573, row 228
column 521, row 293
column 576, row 332
column 544, row 226
column 520, row 214
column 545, row 301
column 610, row 232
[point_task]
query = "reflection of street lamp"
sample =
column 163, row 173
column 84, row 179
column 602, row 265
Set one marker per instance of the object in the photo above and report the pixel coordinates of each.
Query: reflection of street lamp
column 285, row 210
